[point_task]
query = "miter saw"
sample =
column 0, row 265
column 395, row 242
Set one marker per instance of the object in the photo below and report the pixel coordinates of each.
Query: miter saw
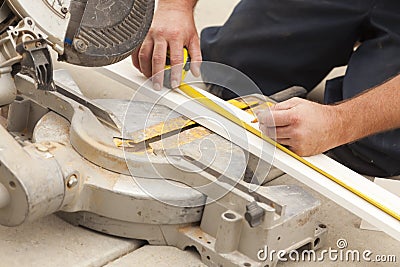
column 172, row 182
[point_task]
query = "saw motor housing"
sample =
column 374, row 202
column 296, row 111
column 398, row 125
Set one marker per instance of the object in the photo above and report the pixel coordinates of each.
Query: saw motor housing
column 88, row 33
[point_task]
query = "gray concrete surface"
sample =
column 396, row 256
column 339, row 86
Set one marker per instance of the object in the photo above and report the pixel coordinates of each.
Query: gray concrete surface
column 53, row 242
column 161, row 256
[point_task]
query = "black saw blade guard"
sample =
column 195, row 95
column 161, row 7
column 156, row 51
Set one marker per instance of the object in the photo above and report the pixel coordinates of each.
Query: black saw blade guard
column 103, row 32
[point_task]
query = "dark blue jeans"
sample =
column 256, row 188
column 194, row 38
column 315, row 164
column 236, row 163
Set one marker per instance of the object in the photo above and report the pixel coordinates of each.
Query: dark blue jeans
column 282, row 43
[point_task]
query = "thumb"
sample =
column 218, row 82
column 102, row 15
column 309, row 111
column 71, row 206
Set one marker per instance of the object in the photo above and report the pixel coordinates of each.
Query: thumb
column 288, row 104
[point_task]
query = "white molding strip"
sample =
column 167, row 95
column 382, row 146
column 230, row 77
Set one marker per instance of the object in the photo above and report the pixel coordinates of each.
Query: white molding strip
column 125, row 74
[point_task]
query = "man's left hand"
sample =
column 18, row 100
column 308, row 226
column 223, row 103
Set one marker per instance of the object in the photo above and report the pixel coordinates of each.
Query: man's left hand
column 306, row 127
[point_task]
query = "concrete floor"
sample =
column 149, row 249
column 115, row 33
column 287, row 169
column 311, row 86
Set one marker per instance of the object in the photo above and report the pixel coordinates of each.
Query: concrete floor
column 52, row 242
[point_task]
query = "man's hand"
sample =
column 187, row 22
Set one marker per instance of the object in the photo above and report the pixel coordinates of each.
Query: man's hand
column 172, row 28
column 306, row 127
column 309, row 128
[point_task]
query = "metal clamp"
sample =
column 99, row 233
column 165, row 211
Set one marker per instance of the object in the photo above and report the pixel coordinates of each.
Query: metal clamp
column 254, row 214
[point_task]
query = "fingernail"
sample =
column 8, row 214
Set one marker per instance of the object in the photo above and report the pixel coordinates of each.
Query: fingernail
column 196, row 70
column 174, row 83
column 157, row 86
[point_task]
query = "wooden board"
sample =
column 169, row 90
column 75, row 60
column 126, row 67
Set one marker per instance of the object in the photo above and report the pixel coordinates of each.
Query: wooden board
column 124, row 73
column 390, row 185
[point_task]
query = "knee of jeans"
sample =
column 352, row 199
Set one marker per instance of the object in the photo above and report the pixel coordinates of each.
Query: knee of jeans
column 211, row 47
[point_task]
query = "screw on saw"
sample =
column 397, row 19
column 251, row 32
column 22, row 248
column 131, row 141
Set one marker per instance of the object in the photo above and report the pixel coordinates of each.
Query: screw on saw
column 72, row 180
column 80, row 45
column 64, row 10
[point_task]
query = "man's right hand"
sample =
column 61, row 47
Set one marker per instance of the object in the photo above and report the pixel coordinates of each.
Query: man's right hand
column 172, row 28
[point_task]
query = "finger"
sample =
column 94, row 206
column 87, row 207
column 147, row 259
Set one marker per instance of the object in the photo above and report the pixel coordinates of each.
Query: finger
column 288, row 104
column 195, row 56
column 303, row 152
column 263, row 129
column 158, row 63
column 284, row 141
column 268, row 131
column 176, row 58
column 284, row 132
column 264, row 117
column 282, row 118
column 145, row 54
column 277, row 118
column 135, row 58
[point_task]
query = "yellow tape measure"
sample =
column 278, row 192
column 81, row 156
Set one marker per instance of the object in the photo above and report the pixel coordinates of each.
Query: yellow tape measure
column 193, row 93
